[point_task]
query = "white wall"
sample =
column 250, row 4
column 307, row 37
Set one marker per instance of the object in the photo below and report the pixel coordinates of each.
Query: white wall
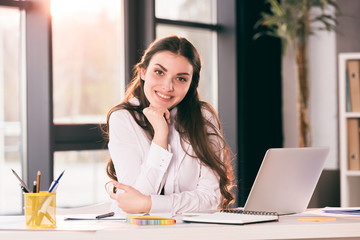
column 289, row 85
column 323, row 96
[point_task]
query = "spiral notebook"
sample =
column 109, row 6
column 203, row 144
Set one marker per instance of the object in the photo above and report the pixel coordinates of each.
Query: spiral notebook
column 231, row 217
column 284, row 185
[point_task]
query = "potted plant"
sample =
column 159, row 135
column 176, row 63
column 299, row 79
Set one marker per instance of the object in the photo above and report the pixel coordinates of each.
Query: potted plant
column 291, row 21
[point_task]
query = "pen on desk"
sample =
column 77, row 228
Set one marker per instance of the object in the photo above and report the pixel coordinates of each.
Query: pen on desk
column 34, row 186
column 38, row 181
column 21, row 181
column 54, row 184
column 105, row 215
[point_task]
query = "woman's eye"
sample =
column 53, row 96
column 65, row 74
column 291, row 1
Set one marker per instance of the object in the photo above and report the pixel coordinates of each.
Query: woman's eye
column 159, row 72
column 182, row 79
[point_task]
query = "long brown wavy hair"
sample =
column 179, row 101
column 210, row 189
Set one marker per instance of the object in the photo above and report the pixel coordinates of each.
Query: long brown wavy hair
column 205, row 138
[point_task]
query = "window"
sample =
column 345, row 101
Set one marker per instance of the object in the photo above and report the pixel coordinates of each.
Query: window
column 84, row 179
column 87, row 62
column 55, row 124
column 10, row 116
column 88, row 79
column 200, row 11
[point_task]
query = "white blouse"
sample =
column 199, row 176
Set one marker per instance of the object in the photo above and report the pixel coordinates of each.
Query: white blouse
column 140, row 163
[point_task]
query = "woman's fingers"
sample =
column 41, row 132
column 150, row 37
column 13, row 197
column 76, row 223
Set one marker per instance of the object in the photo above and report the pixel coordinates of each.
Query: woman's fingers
column 154, row 114
column 130, row 200
column 122, row 186
column 167, row 116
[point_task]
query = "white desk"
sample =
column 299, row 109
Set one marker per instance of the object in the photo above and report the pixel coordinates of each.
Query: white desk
column 287, row 228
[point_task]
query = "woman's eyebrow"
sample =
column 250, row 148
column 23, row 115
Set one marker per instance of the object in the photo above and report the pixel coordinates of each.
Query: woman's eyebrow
column 184, row 73
column 165, row 70
column 161, row 66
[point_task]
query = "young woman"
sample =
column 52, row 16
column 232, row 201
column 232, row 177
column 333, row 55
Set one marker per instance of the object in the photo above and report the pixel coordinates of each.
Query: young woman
column 166, row 146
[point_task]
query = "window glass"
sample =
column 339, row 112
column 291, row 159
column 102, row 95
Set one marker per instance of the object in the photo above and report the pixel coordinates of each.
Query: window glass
column 205, row 42
column 10, row 127
column 83, row 182
column 202, row 11
column 88, row 61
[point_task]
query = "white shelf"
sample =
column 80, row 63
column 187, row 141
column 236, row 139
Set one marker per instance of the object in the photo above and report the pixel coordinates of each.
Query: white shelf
column 352, row 114
column 352, row 174
column 349, row 179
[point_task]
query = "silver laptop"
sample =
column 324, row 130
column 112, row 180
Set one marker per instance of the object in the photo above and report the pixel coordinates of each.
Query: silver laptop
column 286, row 180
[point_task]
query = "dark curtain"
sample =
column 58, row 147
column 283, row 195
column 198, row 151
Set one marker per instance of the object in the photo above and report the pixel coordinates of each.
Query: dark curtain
column 259, row 94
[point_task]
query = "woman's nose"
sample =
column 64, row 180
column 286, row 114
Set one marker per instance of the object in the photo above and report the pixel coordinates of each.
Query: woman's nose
column 168, row 85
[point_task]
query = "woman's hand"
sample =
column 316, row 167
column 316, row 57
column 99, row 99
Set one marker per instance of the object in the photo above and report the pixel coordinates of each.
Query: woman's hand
column 159, row 119
column 131, row 200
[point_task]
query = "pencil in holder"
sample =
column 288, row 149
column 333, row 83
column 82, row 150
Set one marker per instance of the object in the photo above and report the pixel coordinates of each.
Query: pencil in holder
column 40, row 210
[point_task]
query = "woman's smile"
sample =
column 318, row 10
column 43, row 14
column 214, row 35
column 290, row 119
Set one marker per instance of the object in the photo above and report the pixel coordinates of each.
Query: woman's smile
column 166, row 97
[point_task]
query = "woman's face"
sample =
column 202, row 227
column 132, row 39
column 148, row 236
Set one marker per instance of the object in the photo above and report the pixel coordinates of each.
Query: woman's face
column 167, row 79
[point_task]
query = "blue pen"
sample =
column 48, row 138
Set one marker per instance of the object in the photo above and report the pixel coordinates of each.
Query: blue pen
column 55, row 183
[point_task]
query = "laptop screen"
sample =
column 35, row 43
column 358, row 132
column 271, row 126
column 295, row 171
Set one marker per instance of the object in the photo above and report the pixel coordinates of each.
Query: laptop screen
column 286, row 180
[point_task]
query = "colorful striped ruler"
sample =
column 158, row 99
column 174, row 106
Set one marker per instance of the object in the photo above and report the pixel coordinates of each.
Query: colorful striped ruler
column 149, row 220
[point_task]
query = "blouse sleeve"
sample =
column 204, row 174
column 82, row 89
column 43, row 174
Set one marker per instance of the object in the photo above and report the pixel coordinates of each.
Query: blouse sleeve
column 144, row 175
column 205, row 197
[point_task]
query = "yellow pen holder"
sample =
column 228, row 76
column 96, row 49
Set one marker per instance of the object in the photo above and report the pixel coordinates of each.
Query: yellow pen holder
column 40, row 210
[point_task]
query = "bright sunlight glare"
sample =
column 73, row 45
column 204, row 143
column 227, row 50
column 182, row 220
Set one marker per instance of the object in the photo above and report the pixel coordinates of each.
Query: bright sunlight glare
column 63, row 8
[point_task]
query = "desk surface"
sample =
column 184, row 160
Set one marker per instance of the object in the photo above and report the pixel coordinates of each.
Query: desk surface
column 288, row 227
